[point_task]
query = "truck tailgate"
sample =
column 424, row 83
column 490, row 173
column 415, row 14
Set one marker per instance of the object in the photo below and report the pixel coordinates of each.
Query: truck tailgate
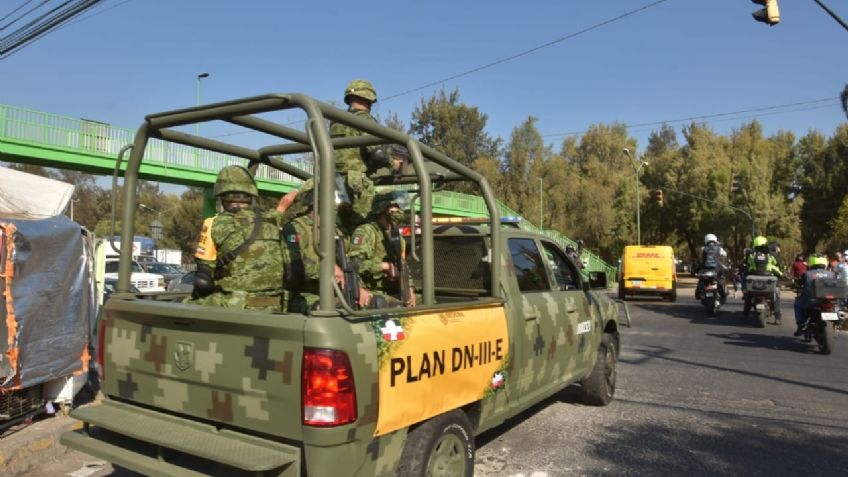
column 234, row 367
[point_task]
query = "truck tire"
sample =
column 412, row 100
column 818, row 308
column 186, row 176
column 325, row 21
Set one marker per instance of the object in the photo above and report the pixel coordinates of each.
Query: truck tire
column 441, row 446
column 599, row 387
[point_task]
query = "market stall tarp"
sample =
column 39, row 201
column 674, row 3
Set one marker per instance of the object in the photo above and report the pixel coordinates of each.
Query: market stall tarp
column 48, row 300
column 28, row 195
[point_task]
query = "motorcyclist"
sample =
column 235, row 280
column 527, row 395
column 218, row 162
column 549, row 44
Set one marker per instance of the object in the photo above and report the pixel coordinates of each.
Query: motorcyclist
column 816, row 268
column 713, row 257
column 762, row 262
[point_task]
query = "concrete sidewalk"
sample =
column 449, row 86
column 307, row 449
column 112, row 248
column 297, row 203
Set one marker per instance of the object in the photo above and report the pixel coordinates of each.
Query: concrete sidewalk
column 34, row 444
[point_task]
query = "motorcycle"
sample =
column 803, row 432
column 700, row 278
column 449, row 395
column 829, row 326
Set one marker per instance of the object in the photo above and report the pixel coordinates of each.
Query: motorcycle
column 760, row 290
column 826, row 313
column 710, row 296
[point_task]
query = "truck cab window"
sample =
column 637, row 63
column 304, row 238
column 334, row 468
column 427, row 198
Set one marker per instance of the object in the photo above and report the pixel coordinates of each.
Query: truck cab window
column 528, row 266
column 564, row 272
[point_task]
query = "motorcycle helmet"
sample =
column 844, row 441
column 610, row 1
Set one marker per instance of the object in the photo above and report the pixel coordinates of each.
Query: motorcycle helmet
column 710, row 238
column 816, row 260
column 759, row 241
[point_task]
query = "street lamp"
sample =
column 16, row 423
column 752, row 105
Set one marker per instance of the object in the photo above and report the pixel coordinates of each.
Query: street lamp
column 197, row 99
column 637, row 166
column 156, row 232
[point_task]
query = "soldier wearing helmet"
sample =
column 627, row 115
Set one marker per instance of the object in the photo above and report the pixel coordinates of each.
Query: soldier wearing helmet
column 816, row 269
column 301, row 263
column 239, row 256
column 380, row 252
column 357, row 164
column 762, row 262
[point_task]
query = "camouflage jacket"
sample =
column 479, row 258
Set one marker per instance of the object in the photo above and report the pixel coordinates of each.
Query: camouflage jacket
column 255, row 272
column 348, row 160
column 370, row 247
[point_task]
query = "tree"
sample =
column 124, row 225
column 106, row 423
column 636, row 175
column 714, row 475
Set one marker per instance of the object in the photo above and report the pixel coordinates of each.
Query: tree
column 454, row 128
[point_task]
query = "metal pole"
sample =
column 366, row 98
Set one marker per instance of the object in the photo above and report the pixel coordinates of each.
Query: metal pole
column 638, row 220
column 197, row 99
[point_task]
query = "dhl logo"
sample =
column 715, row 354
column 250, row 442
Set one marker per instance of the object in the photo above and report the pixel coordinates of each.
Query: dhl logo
column 648, row 255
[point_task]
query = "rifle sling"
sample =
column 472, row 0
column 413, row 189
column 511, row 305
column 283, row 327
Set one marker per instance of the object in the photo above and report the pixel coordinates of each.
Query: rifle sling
column 228, row 257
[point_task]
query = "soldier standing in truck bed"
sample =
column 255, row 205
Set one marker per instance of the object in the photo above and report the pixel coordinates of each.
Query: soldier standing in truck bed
column 239, row 255
column 357, row 164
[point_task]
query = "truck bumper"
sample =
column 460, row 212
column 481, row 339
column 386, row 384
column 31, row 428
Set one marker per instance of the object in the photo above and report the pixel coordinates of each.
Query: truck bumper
column 159, row 444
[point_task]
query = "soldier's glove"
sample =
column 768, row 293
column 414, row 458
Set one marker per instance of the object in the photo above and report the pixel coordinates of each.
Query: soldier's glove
column 378, row 158
column 204, row 283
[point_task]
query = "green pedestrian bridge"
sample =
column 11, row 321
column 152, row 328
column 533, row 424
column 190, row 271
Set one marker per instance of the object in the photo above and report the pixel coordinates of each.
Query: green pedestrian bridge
column 51, row 140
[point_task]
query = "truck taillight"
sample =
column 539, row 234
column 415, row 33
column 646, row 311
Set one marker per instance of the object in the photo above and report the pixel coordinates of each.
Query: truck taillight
column 328, row 392
column 101, row 341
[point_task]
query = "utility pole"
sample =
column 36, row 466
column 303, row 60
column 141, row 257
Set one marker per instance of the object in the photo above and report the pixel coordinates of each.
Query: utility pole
column 637, row 166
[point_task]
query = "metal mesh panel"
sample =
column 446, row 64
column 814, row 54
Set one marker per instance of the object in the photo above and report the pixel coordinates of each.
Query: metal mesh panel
column 458, row 262
column 19, row 403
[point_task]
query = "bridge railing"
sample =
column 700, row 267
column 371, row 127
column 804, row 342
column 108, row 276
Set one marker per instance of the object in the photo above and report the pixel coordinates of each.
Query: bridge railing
column 99, row 139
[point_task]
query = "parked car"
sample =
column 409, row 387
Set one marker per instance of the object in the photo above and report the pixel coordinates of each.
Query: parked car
column 144, row 281
column 182, row 284
column 168, row 270
column 109, row 286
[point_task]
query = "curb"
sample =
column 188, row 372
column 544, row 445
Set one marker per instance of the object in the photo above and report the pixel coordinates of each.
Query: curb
column 35, row 444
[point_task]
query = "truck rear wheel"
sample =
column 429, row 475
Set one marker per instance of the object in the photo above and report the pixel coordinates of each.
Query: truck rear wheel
column 599, row 387
column 441, row 446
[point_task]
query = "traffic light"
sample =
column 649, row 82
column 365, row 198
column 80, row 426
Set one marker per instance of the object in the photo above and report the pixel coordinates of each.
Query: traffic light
column 770, row 14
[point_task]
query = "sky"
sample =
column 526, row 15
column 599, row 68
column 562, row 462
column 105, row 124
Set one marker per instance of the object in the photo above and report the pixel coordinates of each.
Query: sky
column 570, row 64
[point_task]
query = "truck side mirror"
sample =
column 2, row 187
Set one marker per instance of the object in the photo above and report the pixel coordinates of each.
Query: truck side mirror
column 597, row 280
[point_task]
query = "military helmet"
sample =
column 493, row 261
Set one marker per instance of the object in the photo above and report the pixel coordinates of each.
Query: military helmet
column 816, row 260
column 710, row 238
column 385, row 199
column 759, row 241
column 362, row 88
column 306, row 194
column 235, row 179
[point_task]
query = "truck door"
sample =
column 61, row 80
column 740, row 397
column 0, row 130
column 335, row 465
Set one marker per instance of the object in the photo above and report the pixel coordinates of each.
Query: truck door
column 573, row 321
column 534, row 305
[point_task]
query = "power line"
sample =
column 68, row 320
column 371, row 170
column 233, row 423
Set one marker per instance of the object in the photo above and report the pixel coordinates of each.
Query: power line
column 27, row 2
column 718, row 115
column 526, row 52
column 43, row 24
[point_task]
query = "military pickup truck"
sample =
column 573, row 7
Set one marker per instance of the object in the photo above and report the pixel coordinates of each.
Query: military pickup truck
column 504, row 320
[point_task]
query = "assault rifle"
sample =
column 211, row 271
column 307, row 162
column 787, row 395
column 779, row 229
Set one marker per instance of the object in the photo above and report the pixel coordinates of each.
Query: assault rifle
column 350, row 290
column 399, row 256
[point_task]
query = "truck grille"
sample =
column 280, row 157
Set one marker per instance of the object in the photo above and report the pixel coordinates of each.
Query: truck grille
column 145, row 284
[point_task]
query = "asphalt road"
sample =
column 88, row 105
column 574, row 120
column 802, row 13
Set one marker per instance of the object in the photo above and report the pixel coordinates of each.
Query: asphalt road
column 696, row 396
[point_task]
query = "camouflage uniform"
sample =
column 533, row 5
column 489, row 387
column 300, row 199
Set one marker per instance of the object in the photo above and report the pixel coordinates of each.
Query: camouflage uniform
column 301, row 263
column 356, row 164
column 253, row 279
column 371, row 245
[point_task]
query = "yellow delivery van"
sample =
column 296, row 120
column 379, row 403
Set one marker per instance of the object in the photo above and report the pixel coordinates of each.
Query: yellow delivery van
column 648, row 270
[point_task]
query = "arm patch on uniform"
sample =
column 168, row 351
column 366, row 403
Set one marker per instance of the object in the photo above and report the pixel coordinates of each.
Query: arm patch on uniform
column 206, row 249
column 293, row 238
column 358, row 239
